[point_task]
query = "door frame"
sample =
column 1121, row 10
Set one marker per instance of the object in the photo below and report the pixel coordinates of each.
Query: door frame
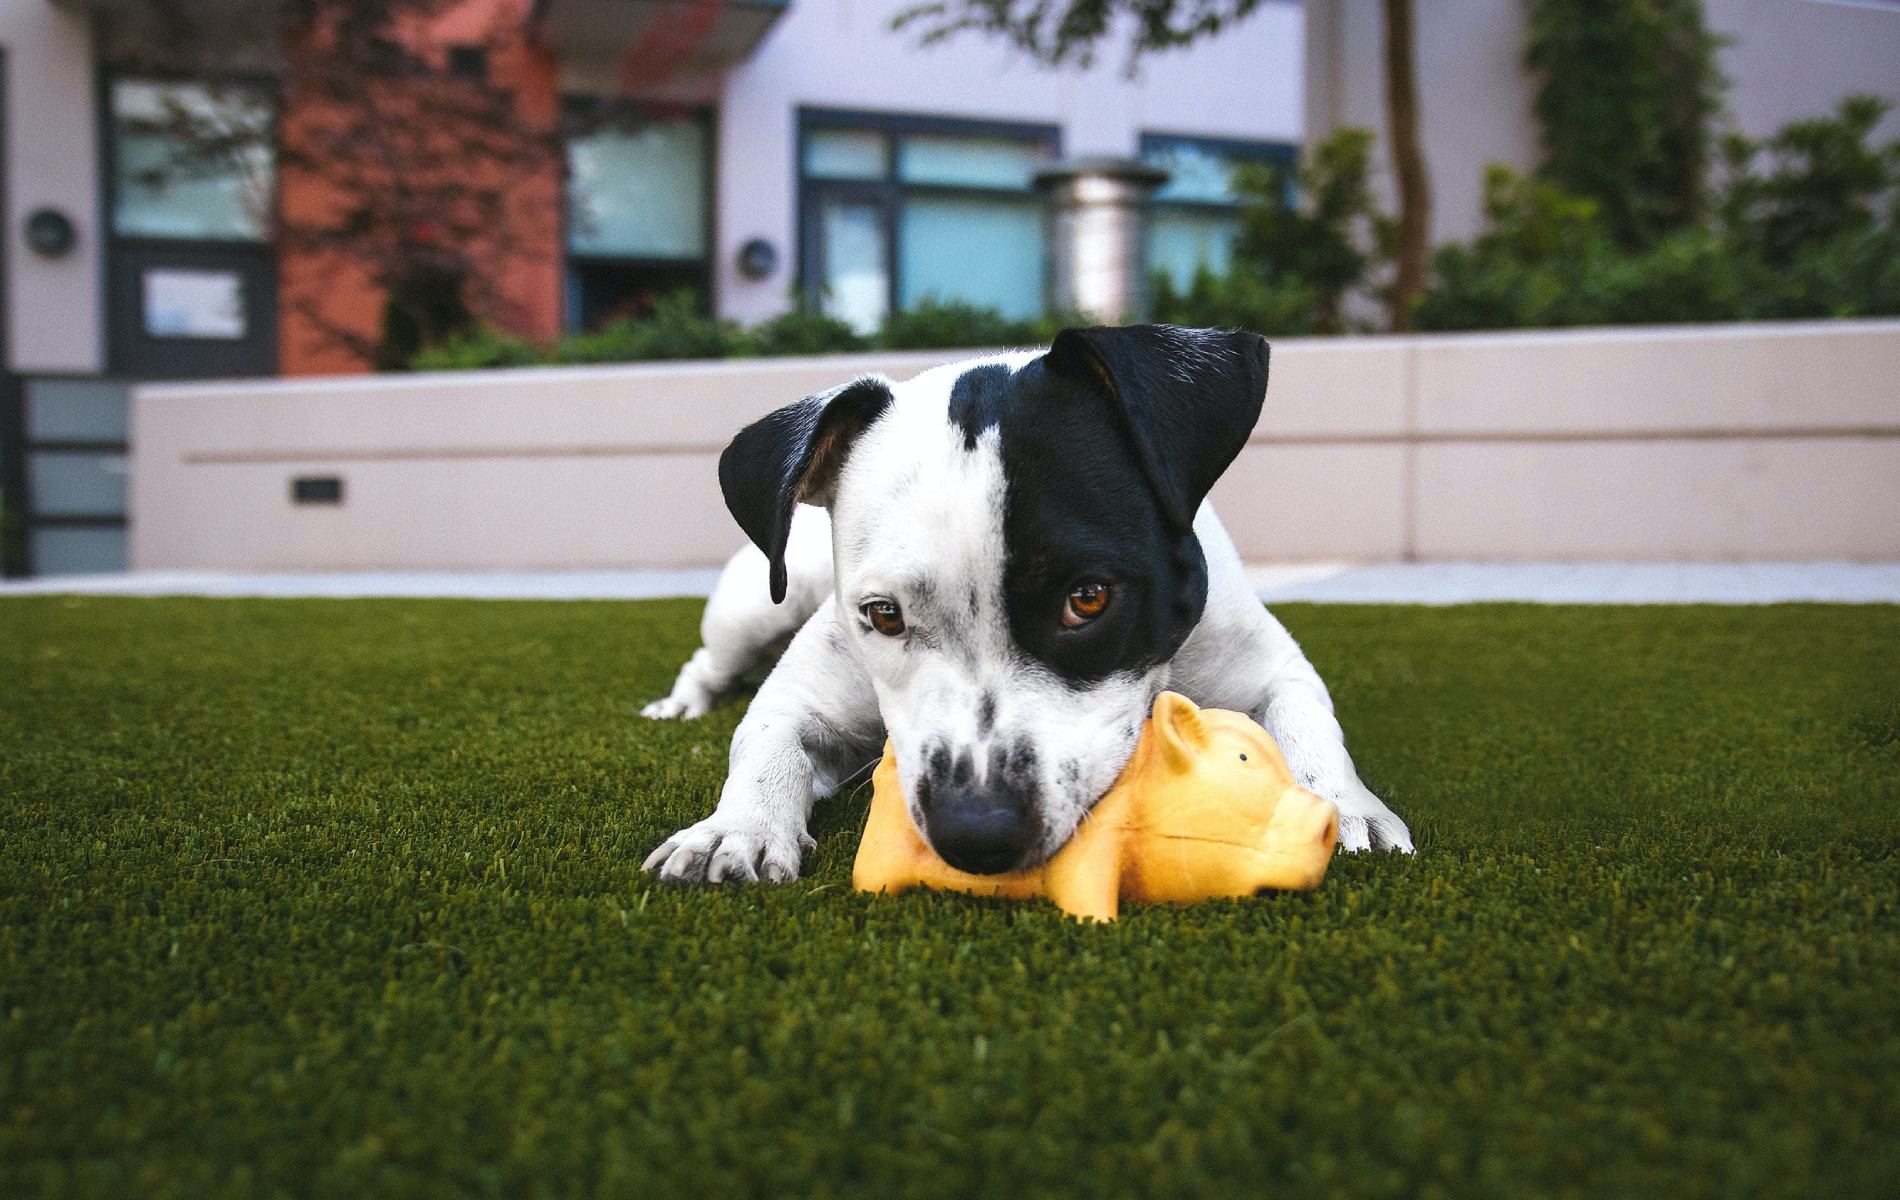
column 130, row 350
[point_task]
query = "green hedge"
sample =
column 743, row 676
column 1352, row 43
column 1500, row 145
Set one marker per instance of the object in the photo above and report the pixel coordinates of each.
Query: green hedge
column 677, row 329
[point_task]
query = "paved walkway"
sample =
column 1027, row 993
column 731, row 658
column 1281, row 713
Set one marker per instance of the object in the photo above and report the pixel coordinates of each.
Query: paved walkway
column 1394, row 583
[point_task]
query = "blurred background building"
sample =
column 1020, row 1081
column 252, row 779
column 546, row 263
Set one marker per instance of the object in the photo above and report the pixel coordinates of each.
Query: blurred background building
column 184, row 181
column 752, row 153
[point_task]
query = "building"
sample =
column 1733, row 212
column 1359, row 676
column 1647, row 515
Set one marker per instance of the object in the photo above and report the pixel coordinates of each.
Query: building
column 753, row 153
column 748, row 151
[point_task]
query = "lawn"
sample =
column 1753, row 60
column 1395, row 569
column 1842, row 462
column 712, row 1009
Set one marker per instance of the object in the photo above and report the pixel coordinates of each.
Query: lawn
column 342, row 899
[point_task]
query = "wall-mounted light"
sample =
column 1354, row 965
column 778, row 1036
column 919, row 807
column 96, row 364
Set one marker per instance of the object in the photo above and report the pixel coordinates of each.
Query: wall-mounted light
column 50, row 233
column 758, row 258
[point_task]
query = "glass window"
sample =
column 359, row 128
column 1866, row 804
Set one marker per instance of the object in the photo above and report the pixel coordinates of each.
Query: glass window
column 191, row 161
column 1195, row 172
column 846, row 154
column 857, row 279
column 76, row 550
column 898, row 212
column 1181, row 243
column 1196, row 213
column 76, row 483
column 184, row 303
column 983, row 252
column 76, row 410
column 970, row 161
column 638, row 192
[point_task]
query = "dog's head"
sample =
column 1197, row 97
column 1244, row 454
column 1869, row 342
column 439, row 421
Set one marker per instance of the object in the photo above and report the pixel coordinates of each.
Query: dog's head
column 1015, row 557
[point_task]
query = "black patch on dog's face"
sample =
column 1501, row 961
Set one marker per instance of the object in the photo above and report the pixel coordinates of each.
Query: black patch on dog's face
column 1077, row 508
column 979, row 398
column 1109, row 443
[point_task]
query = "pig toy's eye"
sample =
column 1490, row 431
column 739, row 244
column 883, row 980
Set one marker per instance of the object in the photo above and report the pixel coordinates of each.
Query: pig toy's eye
column 1243, row 758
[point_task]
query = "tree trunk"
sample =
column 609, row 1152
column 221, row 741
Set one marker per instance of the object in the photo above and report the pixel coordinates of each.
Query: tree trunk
column 1408, row 164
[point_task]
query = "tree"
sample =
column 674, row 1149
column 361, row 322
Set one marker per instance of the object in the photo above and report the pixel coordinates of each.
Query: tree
column 1412, row 243
column 1064, row 31
column 1625, row 96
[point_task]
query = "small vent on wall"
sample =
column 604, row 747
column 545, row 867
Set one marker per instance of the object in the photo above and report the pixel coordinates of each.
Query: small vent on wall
column 316, row 489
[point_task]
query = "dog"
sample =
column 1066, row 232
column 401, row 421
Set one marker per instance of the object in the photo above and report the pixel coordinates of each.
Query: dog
column 997, row 564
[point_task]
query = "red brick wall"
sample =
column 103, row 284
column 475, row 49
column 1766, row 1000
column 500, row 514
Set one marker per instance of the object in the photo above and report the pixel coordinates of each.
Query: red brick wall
column 330, row 300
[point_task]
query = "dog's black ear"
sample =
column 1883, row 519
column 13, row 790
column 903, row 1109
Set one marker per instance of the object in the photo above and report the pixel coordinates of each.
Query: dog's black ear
column 1189, row 397
column 794, row 455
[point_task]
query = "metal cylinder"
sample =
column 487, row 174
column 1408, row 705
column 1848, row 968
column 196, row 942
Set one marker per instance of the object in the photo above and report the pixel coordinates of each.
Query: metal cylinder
column 1098, row 213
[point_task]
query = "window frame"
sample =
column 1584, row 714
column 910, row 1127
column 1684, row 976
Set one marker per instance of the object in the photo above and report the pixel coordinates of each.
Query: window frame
column 890, row 192
column 269, row 87
column 1285, row 155
column 576, row 108
column 18, row 446
column 128, row 344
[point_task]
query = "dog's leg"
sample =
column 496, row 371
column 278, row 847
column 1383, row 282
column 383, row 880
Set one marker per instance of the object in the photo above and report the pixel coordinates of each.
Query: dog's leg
column 741, row 627
column 1299, row 714
column 813, row 723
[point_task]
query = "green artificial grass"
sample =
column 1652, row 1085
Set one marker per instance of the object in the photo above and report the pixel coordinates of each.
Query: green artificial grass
column 342, row 899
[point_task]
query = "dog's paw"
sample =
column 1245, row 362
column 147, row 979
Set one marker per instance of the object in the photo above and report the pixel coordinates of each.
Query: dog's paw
column 1365, row 823
column 720, row 850
column 676, row 708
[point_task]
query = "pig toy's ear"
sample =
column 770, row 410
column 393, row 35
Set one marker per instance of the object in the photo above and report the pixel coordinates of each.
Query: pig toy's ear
column 1179, row 729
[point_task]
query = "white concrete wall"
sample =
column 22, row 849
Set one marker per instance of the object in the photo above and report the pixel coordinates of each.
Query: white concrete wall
column 1786, row 60
column 54, row 306
column 1709, row 443
column 843, row 54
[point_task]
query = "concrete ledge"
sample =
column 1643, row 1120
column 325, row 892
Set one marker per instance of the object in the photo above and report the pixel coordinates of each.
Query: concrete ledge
column 1327, row 583
column 1706, row 443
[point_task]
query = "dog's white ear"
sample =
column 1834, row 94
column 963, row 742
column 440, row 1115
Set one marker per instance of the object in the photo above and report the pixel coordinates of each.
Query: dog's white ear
column 1189, row 398
column 793, row 456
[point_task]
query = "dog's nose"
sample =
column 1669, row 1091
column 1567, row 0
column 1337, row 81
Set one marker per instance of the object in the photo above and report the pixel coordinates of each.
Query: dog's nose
column 979, row 829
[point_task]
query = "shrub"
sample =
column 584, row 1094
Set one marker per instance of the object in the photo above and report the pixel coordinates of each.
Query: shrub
column 1296, row 265
column 675, row 329
column 1807, row 238
column 1625, row 95
column 1855, row 274
column 804, row 331
column 478, row 348
column 1237, row 300
column 946, row 325
column 1824, row 181
column 1528, row 268
column 1328, row 244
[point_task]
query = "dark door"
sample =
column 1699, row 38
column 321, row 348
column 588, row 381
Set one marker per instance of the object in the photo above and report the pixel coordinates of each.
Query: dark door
column 182, row 309
column 191, row 275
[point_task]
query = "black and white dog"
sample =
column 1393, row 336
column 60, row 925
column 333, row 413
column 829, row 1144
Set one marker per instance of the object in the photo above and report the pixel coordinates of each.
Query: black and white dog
column 1019, row 556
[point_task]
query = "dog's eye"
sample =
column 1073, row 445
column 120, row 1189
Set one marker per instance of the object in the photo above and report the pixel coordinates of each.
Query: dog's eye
column 1086, row 602
column 884, row 616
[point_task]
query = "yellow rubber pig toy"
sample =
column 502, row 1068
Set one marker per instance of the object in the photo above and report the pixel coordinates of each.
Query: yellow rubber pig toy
column 1205, row 808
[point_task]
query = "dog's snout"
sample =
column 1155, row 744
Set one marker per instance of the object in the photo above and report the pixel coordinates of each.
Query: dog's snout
column 985, row 826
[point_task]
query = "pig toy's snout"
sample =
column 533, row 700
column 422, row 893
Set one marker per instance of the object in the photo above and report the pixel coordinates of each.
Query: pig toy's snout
column 1325, row 823
column 1300, row 837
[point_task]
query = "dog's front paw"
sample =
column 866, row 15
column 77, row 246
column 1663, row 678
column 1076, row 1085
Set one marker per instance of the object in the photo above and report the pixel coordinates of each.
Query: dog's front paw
column 1365, row 823
column 676, row 708
column 721, row 850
